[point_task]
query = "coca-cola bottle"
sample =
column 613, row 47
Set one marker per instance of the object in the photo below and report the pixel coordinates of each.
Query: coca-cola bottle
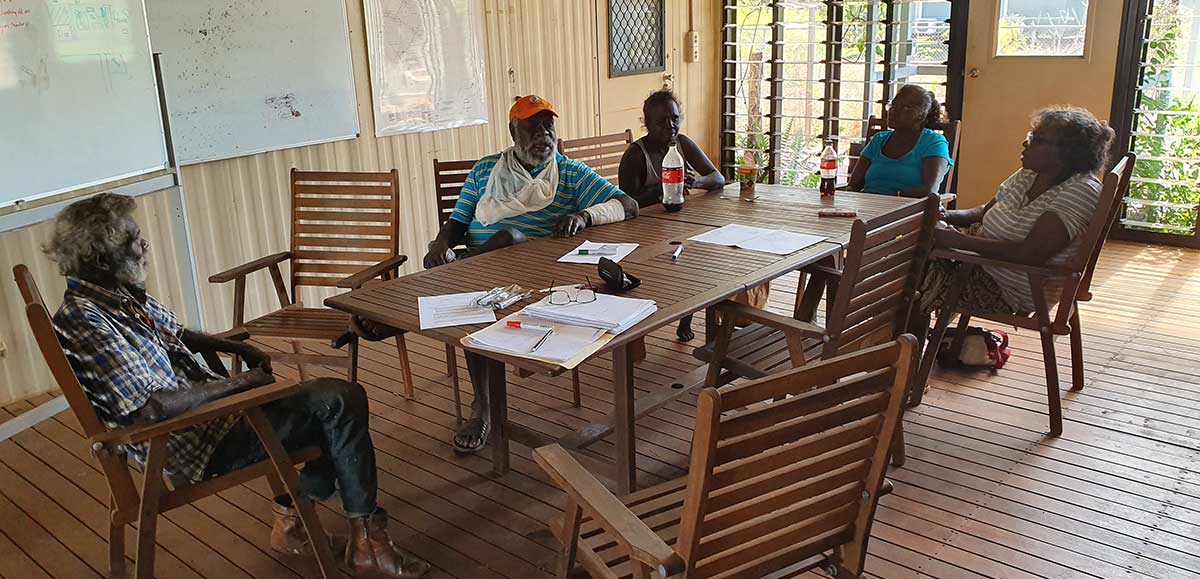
column 829, row 168
column 672, row 179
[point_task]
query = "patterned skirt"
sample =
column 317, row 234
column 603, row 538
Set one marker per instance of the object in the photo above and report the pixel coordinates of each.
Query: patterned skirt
column 980, row 295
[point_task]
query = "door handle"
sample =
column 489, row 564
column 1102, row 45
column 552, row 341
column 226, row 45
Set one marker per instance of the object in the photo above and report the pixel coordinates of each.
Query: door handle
column 974, row 73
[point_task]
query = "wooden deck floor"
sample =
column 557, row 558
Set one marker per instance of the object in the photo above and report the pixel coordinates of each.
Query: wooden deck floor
column 984, row 492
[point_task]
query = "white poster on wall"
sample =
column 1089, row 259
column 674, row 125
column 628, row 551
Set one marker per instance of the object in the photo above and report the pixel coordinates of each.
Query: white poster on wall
column 426, row 65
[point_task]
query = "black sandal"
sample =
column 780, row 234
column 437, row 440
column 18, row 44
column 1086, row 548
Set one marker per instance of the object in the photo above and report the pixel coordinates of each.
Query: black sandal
column 473, row 428
column 683, row 332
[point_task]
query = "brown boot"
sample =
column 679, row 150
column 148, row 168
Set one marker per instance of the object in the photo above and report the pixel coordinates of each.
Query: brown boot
column 371, row 551
column 287, row 532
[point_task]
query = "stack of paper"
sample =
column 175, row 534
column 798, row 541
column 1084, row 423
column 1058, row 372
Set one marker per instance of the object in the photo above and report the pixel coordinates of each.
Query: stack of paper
column 774, row 241
column 565, row 343
column 453, row 310
column 609, row 313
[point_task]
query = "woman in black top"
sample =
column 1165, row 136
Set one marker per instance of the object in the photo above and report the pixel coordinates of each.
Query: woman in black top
column 640, row 175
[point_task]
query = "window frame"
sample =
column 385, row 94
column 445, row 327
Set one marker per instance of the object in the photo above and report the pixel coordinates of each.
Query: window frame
column 1088, row 36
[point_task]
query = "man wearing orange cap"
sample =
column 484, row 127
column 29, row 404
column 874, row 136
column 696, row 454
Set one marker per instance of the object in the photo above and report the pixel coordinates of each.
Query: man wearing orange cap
column 528, row 190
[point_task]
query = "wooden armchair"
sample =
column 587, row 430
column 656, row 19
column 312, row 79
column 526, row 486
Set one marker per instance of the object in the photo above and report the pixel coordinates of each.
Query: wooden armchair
column 785, row 473
column 344, row 234
column 449, row 177
column 1071, row 282
column 874, row 295
column 603, row 154
column 127, row 504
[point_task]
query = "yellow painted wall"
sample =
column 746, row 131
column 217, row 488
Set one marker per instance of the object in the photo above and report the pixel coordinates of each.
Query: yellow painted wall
column 239, row 208
column 998, row 103
column 696, row 84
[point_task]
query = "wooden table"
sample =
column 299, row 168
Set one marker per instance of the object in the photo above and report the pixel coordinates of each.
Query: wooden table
column 704, row 276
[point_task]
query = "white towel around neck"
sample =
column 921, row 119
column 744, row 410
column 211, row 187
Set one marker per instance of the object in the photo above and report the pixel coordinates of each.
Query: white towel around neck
column 511, row 191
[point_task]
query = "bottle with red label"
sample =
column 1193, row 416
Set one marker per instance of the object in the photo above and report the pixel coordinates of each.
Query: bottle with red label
column 672, row 179
column 829, row 169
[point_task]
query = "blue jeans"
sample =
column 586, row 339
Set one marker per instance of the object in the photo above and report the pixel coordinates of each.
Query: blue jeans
column 328, row 413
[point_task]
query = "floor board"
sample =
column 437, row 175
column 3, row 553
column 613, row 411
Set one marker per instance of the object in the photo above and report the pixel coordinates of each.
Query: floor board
column 984, row 494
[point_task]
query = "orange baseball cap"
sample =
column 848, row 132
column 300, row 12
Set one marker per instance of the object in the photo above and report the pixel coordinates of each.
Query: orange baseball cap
column 529, row 105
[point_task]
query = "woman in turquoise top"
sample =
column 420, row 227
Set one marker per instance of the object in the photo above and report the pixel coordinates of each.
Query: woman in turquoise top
column 909, row 159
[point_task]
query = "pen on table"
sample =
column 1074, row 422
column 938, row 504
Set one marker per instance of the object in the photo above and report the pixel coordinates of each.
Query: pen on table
column 518, row 325
column 595, row 252
column 542, row 340
column 678, row 250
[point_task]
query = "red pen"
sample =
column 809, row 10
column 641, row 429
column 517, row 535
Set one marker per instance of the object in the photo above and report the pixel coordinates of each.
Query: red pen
column 518, row 325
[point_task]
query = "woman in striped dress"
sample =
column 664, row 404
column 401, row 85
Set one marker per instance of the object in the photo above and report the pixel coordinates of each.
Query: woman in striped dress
column 1036, row 218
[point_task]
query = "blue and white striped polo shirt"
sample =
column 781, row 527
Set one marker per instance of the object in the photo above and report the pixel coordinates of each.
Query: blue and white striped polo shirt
column 579, row 187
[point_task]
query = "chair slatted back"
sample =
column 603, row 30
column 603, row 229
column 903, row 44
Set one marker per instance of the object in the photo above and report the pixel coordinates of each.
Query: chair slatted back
column 884, row 264
column 116, row 471
column 790, row 466
column 951, row 130
column 1116, row 186
column 47, row 340
column 342, row 222
column 603, row 154
column 448, row 178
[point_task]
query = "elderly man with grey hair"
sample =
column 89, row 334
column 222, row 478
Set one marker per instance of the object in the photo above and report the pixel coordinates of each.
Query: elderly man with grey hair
column 528, row 190
column 137, row 363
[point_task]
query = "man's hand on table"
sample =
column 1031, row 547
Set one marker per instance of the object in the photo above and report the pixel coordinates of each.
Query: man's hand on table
column 439, row 253
column 569, row 225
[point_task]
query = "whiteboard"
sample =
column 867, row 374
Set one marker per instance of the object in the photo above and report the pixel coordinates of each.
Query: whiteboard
column 251, row 76
column 77, row 91
column 426, row 65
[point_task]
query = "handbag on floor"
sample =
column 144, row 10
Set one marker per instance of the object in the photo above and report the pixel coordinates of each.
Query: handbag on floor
column 981, row 348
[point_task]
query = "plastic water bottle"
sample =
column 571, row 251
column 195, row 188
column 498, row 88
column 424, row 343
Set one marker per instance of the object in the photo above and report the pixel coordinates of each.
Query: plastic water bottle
column 672, row 179
column 829, row 169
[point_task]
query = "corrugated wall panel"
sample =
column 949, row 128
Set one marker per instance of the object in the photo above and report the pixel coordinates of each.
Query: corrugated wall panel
column 239, row 208
column 22, row 371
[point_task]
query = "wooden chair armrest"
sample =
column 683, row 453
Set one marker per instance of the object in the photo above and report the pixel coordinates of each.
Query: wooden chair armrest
column 226, row 406
column 642, row 543
column 249, row 268
column 947, row 198
column 357, row 280
column 823, row 269
column 1046, row 272
column 752, row 314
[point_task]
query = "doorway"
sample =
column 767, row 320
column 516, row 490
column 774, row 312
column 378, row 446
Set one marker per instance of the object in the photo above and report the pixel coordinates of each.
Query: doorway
column 1021, row 56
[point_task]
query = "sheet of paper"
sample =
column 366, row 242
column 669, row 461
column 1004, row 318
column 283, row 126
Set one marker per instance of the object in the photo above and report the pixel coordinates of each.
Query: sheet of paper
column 774, row 241
column 731, row 235
column 564, row 343
column 453, row 310
column 780, row 242
column 613, row 251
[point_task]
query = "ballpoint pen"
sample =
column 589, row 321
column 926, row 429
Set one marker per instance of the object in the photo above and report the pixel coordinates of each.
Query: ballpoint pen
column 542, row 340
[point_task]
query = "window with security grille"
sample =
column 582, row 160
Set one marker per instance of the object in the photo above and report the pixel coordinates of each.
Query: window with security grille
column 800, row 73
column 635, row 37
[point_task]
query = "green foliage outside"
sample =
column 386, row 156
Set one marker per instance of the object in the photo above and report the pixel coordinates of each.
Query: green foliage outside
column 1173, row 156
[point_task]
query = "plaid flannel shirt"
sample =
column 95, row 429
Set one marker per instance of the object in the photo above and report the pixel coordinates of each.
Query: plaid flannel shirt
column 124, row 346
